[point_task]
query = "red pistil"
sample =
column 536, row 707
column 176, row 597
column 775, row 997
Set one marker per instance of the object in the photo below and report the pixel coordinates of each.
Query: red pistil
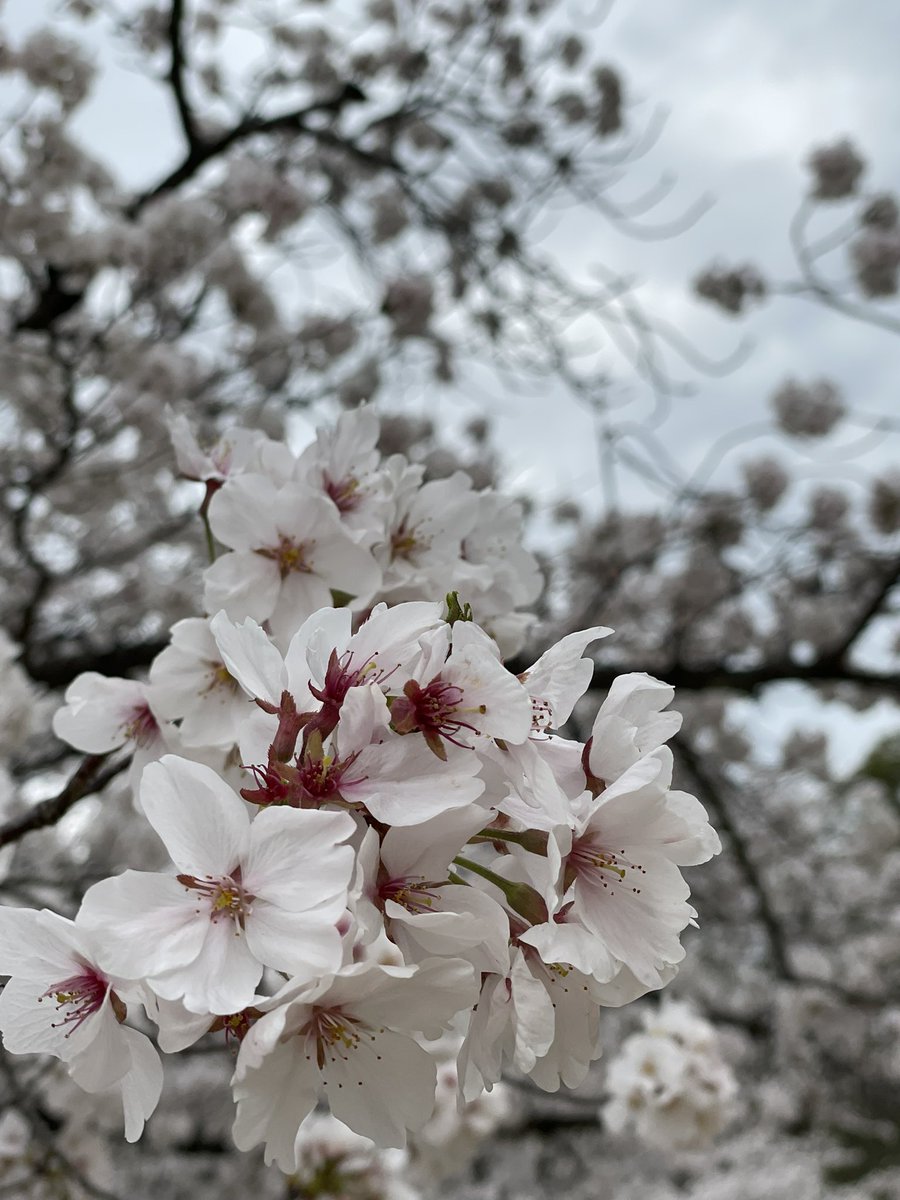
column 434, row 710
column 313, row 779
column 340, row 676
column 277, row 783
column 236, row 1026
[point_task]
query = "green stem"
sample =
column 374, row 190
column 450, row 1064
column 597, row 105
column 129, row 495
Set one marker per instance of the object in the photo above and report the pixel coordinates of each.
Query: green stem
column 210, row 540
column 521, row 897
column 532, row 840
column 212, row 486
column 484, row 872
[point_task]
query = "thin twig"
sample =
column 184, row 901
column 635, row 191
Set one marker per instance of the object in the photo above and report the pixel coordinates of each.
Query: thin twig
column 87, row 780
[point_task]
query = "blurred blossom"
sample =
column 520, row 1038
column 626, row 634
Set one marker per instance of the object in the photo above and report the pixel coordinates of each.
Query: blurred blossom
column 670, row 1084
column 875, row 254
column 731, row 288
column 884, row 503
column 807, row 410
column 766, row 481
column 836, row 170
column 827, row 507
column 881, row 212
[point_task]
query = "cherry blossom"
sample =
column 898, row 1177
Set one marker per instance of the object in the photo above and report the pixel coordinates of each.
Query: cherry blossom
column 246, row 895
column 347, row 1039
column 288, row 553
column 623, row 866
column 670, row 1083
column 60, row 1002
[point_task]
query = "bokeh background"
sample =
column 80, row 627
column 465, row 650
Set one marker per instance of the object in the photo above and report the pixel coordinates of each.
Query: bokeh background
column 635, row 264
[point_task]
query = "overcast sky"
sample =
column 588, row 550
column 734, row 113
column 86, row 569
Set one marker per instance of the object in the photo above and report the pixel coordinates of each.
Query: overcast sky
column 749, row 87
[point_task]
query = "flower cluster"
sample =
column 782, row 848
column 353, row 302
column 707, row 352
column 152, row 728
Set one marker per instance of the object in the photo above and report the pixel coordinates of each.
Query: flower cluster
column 377, row 834
column 670, row 1083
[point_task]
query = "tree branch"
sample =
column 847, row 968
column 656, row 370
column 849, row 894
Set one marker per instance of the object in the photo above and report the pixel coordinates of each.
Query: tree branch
column 87, row 780
column 202, row 151
column 177, row 70
column 766, row 911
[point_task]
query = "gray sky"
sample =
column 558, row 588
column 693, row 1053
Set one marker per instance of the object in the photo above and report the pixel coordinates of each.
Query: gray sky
column 749, row 87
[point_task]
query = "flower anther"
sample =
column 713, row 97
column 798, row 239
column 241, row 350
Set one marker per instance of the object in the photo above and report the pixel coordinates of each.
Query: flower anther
column 289, row 555
column 331, row 1034
column 345, row 493
column 79, row 997
column 225, row 896
column 415, row 893
column 589, row 859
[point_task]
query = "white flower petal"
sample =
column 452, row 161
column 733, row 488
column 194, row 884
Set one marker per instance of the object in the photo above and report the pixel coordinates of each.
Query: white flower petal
column 142, row 1086
column 250, row 657
column 295, row 858
column 144, row 923
column 273, row 1100
column 306, row 945
column 221, row 979
column 382, row 1087
column 203, row 823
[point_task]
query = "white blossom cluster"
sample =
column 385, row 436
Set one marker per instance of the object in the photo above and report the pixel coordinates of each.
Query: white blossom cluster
column 377, row 835
column 670, row 1083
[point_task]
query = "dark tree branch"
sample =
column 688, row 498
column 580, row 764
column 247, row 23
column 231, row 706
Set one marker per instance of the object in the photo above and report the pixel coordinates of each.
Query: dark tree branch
column 712, row 794
column 869, row 610
column 91, row 777
column 202, row 151
column 56, row 671
column 177, row 71
column 54, row 299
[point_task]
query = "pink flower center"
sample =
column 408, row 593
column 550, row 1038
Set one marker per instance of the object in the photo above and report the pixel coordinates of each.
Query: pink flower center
column 77, row 997
column 289, row 556
column 320, row 778
column 345, row 493
column 219, row 678
column 140, row 725
column 436, row 709
column 236, row 1026
column 331, row 1034
column 225, row 896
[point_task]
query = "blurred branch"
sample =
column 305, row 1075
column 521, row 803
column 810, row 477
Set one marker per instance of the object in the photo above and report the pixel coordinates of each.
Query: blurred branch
column 177, row 70
column 203, row 151
column 87, row 780
column 814, row 287
column 43, row 1128
column 712, row 793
